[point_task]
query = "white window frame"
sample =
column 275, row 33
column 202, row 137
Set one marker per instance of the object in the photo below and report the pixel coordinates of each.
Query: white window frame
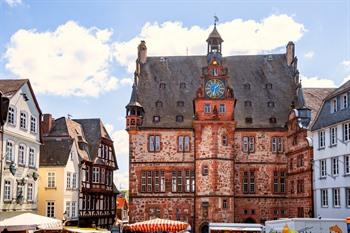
column 347, row 194
column 276, row 144
column 73, row 209
column 22, row 154
column 33, row 124
column 10, row 151
column 324, row 198
column 346, row 164
column 30, row 192
column 68, row 209
column 335, row 166
column 344, row 101
column 23, row 120
column 12, row 114
column 74, row 180
column 51, row 180
column 69, row 180
column 31, row 157
column 95, row 175
column 323, row 168
column 333, row 136
column 346, row 132
column 50, row 212
column 7, row 190
column 321, row 139
column 334, row 105
column 336, row 197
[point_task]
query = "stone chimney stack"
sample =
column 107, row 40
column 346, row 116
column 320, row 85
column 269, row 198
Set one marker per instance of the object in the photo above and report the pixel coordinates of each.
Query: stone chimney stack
column 142, row 52
column 290, row 53
column 47, row 123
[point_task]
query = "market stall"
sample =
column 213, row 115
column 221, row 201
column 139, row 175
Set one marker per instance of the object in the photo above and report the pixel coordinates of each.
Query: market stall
column 156, row 225
column 29, row 221
column 235, row 227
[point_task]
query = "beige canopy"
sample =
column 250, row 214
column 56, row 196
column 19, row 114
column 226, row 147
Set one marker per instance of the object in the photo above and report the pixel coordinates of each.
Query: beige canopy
column 29, row 221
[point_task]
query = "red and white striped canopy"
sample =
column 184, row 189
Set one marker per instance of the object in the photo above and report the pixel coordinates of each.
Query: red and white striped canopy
column 157, row 225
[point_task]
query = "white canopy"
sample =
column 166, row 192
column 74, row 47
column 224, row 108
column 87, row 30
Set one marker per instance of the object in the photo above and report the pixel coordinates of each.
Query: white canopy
column 29, row 221
column 236, row 227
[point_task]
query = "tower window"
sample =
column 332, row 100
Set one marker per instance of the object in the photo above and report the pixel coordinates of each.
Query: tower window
column 246, row 86
column 247, row 103
column 222, row 108
column 215, row 72
column 207, row 108
column 269, row 86
column 270, row 104
column 224, row 140
column 205, row 170
column 162, row 86
column 179, row 118
column 159, row 104
column 182, row 85
column 156, row 119
column 180, row 103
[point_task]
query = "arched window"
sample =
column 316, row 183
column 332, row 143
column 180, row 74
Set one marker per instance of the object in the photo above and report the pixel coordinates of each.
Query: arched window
column 162, row 85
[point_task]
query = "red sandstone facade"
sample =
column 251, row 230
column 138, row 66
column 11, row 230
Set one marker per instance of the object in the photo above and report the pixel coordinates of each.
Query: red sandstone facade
column 214, row 171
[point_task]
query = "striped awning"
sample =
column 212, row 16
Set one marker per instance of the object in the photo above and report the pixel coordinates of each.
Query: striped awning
column 157, row 225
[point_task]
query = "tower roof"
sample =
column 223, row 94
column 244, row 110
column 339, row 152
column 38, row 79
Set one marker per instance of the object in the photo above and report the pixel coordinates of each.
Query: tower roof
column 215, row 35
column 134, row 99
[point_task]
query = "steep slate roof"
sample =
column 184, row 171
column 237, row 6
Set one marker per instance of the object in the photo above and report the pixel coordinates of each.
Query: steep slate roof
column 313, row 99
column 55, row 152
column 325, row 117
column 257, row 70
column 94, row 130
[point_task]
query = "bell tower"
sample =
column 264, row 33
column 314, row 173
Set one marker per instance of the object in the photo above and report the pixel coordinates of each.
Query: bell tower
column 134, row 110
column 214, row 127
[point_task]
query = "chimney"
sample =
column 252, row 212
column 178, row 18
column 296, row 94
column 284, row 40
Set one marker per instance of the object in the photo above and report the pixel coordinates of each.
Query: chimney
column 47, row 123
column 142, row 52
column 290, row 53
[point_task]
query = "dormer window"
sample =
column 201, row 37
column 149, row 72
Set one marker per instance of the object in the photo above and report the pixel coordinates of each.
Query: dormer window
column 180, row 103
column 159, row 104
column 182, row 85
column 162, row 86
column 11, row 119
column 246, row 86
column 269, row 86
column 247, row 103
column 344, row 101
column 179, row 118
column 334, row 107
column 273, row 120
column 156, row 119
column 270, row 104
column 248, row 120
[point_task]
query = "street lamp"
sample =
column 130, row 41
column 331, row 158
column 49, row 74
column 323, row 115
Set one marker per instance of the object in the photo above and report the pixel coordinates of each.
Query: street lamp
column 304, row 117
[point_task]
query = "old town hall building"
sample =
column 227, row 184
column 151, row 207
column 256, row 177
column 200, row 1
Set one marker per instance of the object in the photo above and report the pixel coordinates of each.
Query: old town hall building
column 217, row 139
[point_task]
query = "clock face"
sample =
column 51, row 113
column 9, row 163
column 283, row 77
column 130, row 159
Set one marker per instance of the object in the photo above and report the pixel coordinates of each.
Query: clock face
column 214, row 88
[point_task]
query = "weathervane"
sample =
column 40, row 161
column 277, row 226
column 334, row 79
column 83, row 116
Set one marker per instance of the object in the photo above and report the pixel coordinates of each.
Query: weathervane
column 216, row 19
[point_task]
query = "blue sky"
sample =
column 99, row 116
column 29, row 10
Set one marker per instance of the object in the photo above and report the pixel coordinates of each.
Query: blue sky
column 79, row 55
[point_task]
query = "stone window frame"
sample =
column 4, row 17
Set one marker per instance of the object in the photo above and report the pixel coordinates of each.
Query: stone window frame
column 300, row 186
column 30, row 191
column 335, row 166
column 279, row 181
column 249, row 182
column 224, row 140
column 277, row 144
column 346, row 132
column 33, row 124
column 333, row 134
column 207, row 108
column 225, row 203
column 10, row 148
column 31, row 157
column 323, row 168
column 300, row 161
column 12, row 115
column 23, row 120
column 347, row 165
column 205, row 170
column 22, row 152
column 7, row 193
column 321, row 139
column 50, row 209
column 184, row 143
column 222, row 108
column 248, row 144
column 157, row 147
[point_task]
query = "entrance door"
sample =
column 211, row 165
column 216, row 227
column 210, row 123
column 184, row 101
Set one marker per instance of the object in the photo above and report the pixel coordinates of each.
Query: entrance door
column 205, row 228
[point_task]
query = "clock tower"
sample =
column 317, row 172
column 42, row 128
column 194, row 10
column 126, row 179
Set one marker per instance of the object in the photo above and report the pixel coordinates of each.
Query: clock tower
column 214, row 127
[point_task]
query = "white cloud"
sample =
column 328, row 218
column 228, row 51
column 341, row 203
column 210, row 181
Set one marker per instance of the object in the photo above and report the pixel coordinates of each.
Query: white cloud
column 309, row 54
column 346, row 63
column 345, row 80
column 72, row 60
column 240, row 37
column 316, row 82
column 13, row 3
column 121, row 180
